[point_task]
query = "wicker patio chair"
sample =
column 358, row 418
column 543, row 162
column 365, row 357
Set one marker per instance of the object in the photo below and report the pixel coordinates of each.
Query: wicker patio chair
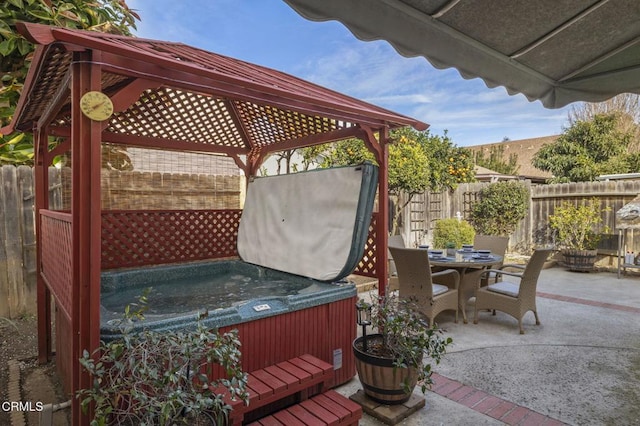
column 394, row 241
column 497, row 245
column 515, row 299
column 433, row 292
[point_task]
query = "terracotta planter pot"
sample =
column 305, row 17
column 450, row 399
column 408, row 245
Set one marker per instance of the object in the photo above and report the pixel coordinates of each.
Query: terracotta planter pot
column 579, row 260
column 380, row 380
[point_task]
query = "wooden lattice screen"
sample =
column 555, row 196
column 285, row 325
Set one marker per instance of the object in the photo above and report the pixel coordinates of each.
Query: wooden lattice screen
column 367, row 266
column 57, row 257
column 151, row 237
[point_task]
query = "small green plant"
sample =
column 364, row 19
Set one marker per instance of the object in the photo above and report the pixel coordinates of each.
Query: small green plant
column 162, row 378
column 406, row 336
column 452, row 232
column 576, row 226
column 501, row 206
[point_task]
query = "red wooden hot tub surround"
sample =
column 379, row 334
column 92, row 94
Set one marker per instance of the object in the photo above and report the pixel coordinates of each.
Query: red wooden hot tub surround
column 318, row 331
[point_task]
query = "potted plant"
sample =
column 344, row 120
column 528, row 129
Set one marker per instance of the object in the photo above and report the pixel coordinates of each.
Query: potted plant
column 161, row 378
column 577, row 236
column 400, row 355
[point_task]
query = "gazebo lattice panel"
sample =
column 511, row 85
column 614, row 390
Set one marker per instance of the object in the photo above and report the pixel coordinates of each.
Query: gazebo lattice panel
column 57, row 60
column 57, row 257
column 367, row 265
column 267, row 125
column 138, row 238
column 178, row 115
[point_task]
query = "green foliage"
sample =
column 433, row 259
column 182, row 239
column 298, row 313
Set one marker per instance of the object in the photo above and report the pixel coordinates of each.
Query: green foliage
column 448, row 165
column 112, row 16
column 588, row 149
column 407, row 337
column 576, row 226
column 501, row 206
column 407, row 171
column 495, row 160
column 347, row 152
column 454, row 231
column 162, row 378
column 418, row 161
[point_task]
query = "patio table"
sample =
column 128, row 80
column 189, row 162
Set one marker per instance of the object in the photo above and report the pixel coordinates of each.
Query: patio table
column 470, row 266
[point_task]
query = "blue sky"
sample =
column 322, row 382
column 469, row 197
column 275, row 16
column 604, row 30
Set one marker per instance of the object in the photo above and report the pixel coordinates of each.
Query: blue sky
column 269, row 33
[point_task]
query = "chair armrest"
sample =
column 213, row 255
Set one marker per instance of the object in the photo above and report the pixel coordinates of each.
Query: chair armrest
column 448, row 277
column 499, row 272
column 513, row 265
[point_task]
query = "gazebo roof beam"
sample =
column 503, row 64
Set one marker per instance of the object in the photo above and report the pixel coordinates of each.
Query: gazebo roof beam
column 57, row 102
column 235, row 116
column 316, row 139
column 157, row 143
column 160, row 143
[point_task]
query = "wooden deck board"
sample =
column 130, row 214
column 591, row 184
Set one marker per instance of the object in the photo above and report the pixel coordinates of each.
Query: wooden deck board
column 306, row 366
column 305, row 416
column 302, row 375
column 348, row 404
column 283, row 375
column 287, row 418
column 259, row 388
column 270, row 380
column 337, row 409
column 295, row 376
column 320, row 412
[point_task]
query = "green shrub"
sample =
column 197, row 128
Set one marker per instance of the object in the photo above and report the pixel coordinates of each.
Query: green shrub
column 501, row 206
column 576, row 226
column 454, row 231
column 163, row 378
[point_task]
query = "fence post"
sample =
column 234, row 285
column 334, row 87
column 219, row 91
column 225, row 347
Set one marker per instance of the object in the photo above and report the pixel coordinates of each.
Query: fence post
column 11, row 253
column 4, row 271
column 27, row 206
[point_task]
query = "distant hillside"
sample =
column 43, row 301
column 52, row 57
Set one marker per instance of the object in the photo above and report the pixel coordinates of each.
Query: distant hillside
column 525, row 150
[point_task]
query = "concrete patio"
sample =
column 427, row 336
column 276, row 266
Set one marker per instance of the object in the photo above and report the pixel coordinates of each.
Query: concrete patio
column 581, row 366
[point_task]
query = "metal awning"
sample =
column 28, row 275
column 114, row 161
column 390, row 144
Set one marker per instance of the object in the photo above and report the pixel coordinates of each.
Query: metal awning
column 555, row 51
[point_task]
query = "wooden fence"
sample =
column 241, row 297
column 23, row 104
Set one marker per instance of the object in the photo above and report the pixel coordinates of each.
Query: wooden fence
column 18, row 246
column 533, row 231
column 17, row 226
column 120, row 190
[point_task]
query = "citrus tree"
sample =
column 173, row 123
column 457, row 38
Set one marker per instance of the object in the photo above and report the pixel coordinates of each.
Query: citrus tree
column 112, row 16
column 418, row 161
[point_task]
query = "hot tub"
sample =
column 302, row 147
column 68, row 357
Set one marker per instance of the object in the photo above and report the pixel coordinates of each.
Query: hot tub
column 298, row 237
column 219, row 293
column 278, row 315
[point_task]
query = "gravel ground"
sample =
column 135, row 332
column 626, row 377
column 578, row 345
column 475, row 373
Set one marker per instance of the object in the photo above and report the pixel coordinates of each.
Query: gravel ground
column 38, row 383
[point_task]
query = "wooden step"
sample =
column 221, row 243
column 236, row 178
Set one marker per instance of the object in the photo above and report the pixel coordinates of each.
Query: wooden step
column 329, row 408
column 298, row 376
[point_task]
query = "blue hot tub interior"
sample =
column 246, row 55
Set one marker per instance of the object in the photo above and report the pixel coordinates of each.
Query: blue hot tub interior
column 221, row 293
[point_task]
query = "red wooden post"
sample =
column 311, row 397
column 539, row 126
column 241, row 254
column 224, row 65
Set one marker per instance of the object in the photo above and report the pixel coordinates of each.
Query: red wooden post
column 85, row 209
column 381, row 150
column 382, row 233
column 42, row 202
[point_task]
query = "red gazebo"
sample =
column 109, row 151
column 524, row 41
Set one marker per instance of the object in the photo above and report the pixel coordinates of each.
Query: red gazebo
column 173, row 97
